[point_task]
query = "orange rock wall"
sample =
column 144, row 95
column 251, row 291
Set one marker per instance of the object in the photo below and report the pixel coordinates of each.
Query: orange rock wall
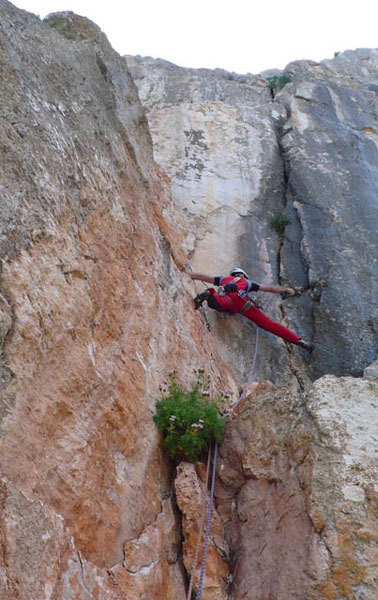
column 95, row 315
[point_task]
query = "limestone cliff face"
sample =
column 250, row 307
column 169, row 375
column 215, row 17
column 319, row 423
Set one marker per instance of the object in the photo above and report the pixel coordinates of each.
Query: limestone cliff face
column 118, row 175
column 234, row 154
column 95, row 315
column 299, row 495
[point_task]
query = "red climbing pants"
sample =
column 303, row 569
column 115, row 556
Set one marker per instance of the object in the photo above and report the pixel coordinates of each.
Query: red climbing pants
column 232, row 303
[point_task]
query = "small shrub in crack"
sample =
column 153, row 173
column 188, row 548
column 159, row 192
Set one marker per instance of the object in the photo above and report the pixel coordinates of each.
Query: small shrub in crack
column 188, row 421
column 278, row 221
column 277, row 82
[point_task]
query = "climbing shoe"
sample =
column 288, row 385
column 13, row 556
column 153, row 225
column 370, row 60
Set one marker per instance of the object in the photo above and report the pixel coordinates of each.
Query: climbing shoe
column 306, row 345
column 200, row 299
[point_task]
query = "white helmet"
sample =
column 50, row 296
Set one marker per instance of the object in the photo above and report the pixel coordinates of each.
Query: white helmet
column 237, row 271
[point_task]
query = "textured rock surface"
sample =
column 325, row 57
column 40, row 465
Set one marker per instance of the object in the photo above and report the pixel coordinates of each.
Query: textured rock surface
column 214, row 134
column 299, row 495
column 96, row 313
column 330, row 150
column 87, row 230
column 234, row 153
column 344, row 495
column 193, row 502
column 264, row 476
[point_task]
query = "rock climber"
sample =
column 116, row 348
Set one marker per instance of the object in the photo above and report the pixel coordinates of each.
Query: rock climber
column 232, row 298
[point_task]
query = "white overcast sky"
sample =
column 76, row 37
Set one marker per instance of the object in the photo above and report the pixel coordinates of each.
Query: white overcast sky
column 245, row 36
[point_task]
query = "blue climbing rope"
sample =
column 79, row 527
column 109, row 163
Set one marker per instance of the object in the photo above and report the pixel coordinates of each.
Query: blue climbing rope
column 211, row 500
column 207, row 533
column 195, row 561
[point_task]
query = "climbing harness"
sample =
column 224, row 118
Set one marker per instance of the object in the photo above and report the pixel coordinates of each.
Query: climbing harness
column 246, row 307
column 223, row 291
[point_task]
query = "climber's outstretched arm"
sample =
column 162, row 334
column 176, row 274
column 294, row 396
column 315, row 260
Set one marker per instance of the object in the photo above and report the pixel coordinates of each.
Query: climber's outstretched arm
column 277, row 289
column 202, row 277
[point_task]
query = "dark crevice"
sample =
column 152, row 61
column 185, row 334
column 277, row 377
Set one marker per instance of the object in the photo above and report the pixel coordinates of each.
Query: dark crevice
column 289, row 254
column 82, row 573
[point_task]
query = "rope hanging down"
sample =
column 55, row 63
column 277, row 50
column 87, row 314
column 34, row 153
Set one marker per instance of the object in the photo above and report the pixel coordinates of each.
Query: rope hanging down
column 211, row 500
column 207, row 533
column 195, row 561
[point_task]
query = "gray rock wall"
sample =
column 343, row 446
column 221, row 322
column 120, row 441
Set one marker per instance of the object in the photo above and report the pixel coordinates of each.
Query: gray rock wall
column 235, row 152
column 329, row 144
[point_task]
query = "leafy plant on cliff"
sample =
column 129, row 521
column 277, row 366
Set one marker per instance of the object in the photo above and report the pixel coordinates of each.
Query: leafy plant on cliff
column 189, row 422
column 277, row 82
column 278, row 221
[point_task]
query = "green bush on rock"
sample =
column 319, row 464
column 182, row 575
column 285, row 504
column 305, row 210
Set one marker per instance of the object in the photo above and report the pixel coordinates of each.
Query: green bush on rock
column 277, row 82
column 278, row 221
column 189, row 422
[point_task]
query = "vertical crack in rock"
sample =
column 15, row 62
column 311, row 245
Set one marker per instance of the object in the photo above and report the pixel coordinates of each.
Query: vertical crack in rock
column 292, row 267
column 328, row 164
column 82, row 574
column 7, row 318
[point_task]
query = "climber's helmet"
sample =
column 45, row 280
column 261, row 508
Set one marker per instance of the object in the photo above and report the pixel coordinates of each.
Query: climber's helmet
column 236, row 271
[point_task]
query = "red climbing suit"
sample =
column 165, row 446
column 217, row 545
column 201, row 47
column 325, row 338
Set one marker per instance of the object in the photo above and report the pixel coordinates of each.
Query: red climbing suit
column 232, row 302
